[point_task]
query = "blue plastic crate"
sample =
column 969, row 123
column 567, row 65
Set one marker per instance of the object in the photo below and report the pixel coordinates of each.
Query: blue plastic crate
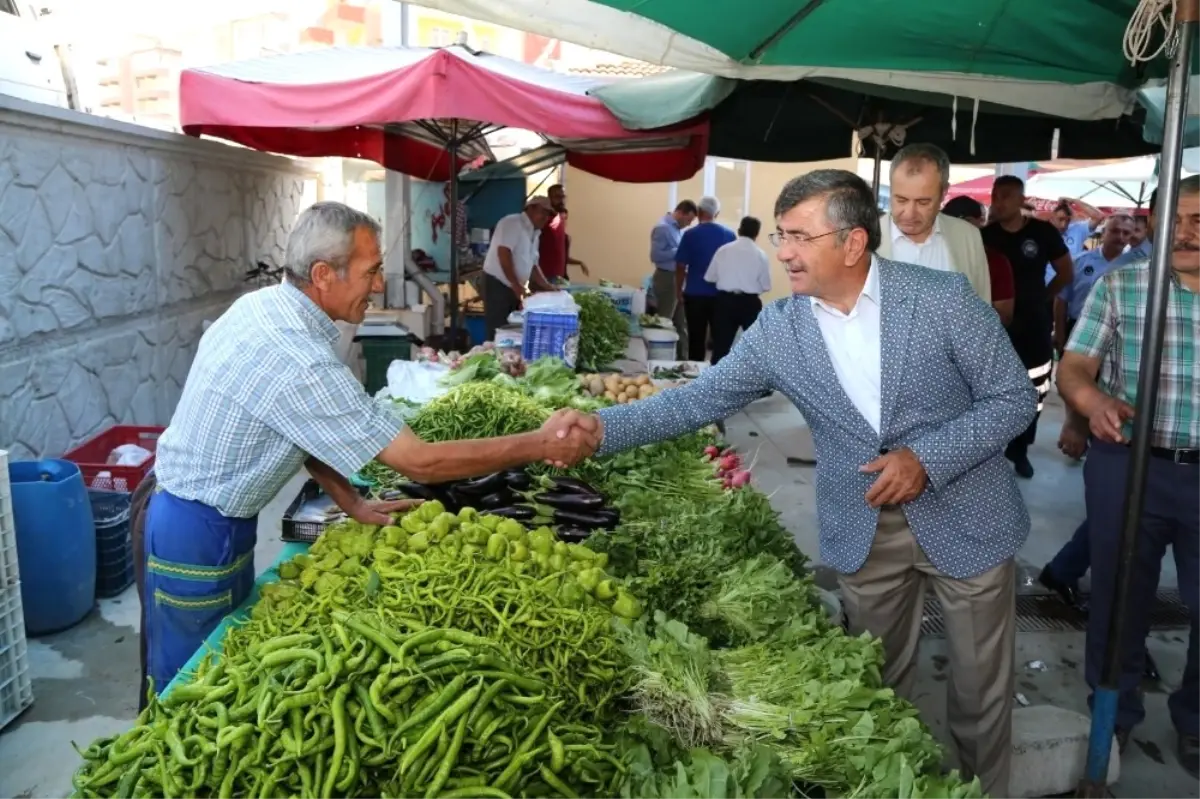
column 554, row 334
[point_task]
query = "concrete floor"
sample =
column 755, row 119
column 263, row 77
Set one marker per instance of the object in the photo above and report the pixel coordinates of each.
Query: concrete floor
column 85, row 679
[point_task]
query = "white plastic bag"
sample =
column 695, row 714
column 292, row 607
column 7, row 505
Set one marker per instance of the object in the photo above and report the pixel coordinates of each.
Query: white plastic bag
column 552, row 302
column 128, row 455
column 415, row 381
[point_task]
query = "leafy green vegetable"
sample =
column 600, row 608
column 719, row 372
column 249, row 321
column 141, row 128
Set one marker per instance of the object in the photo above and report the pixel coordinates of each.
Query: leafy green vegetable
column 480, row 366
column 603, row 330
column 756, row 596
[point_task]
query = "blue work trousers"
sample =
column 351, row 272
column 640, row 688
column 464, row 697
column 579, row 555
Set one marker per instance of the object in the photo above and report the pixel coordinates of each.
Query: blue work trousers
column 1170, row 519
column 199, row 567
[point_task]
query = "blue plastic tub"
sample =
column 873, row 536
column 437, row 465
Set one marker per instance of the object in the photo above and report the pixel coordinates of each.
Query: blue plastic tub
column 56, row 544
column 476, row 327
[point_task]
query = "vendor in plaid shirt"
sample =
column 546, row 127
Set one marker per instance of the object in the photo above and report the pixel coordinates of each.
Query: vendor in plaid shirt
column 267, row 394
column 1098, row 378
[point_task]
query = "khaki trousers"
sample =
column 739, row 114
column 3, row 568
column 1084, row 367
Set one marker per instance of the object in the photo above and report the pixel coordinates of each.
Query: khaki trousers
column 669, row 307
column 886, row 598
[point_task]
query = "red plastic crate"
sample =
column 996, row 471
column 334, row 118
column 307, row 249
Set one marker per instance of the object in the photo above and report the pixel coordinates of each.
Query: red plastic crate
column 90, row 456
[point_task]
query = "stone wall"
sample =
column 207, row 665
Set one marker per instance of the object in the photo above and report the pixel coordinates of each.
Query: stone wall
column 116, row 243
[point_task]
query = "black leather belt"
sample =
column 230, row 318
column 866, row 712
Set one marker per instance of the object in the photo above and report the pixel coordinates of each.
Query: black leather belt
column 1182, row 457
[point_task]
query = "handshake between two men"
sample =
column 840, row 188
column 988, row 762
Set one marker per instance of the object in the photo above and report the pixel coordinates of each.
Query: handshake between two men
column 571, row 436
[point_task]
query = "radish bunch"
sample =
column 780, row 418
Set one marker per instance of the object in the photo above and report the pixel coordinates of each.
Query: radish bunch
column 729, row 467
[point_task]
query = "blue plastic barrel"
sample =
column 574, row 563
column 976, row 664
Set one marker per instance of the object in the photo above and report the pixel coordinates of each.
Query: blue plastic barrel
column 56, row 544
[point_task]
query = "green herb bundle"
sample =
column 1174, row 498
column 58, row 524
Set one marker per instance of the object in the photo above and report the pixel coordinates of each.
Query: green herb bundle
column 603, row 330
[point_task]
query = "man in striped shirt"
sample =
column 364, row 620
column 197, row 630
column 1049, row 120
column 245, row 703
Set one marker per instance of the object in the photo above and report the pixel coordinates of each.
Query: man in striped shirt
column 266, row 394
column 1098, row 377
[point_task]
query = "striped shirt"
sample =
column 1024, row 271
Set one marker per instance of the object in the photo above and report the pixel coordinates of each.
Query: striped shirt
column 1110, row 328
column 265, row 391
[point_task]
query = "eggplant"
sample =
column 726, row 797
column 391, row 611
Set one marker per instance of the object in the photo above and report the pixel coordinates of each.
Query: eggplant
column 500, row 499
column 419, row 491
column 518, row 480
column 573, row 535
column 569, row 485
column 581, row 502
column 459, row 499
column 590, row 519
column 392, row 495
column 521, row 513
column 481, row 486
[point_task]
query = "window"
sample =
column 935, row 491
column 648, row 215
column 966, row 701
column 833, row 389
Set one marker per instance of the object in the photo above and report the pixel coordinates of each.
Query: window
column 724, row 178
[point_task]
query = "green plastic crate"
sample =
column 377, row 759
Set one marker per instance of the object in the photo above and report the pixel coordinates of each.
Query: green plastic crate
column 379, row 352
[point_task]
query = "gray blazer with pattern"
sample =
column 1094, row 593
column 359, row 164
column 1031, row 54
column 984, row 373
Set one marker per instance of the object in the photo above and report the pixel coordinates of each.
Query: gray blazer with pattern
column 953, row 391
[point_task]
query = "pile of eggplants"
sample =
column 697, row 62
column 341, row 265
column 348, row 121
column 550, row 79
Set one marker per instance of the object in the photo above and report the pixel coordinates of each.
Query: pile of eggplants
column 572, row 506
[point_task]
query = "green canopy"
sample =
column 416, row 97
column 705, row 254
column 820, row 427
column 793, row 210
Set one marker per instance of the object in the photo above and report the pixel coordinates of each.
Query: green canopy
column 1062, row 58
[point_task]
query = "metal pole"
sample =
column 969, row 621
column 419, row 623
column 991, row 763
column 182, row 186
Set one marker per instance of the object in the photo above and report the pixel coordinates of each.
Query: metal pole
column 1104, row 707
column 452, row 152
column 877, row 175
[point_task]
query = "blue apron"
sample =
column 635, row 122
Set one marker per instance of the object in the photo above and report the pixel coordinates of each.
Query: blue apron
column 199, row 567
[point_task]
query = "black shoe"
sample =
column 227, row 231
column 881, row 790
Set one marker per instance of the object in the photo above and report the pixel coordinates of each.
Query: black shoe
column 1067, row 591
column 1188, row 750
column 1122, row 737
column 1023, row 467
column 1150, row 672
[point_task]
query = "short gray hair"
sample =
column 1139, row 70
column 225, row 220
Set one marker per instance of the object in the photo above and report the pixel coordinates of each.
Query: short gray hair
column 323, row 232
column 849, row 201
column 709, row 205
column 917, row 154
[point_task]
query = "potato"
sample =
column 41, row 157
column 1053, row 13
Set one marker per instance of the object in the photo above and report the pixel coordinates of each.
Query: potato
column 610, row 395
column 645, row 391
column 642, row 380
column 596, row 386
column 631, row 391
column 612, row 383
column 623, row 399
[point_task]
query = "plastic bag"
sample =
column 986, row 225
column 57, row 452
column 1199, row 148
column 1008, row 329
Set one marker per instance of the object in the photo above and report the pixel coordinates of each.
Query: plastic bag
column 128, row 455
column 552, row 302
column 415, row 381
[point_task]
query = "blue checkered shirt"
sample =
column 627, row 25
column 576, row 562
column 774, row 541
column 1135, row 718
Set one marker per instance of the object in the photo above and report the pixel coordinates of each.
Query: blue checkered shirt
column 265, row 391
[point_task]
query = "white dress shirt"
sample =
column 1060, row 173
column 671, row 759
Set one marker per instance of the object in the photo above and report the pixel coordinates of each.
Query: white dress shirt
column 517, row 233
column 933, row 252
column 853, row 343
column 740, row 267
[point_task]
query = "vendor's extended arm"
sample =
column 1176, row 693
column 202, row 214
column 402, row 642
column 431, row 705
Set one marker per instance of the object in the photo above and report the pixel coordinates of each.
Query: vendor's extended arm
column 345, row 497
column 739, row 379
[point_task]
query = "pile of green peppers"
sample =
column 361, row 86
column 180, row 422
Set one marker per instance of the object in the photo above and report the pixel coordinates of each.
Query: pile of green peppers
column 353, row 707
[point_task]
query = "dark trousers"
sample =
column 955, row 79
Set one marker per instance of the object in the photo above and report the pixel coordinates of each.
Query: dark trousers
column 734, row 311
column 499, row 300
column 699, row 311
column 1040, row 376
column 1170, row 518
column 1074, row 559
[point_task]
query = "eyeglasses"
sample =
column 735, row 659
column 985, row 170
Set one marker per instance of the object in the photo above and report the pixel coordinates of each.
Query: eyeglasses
column 777, row 239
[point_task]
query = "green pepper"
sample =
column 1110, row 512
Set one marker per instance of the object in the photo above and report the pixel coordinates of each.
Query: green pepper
column 467, row 515
column 490, row 522
column 589, row 579
column 497, row 545
column 418, row 542
column 287, row 571
column 601, row 560
column 431, row 510
column 469, row 550
column 412, row 523
column 438, row 529
column 393, row 536
column 626, row 606
column 518, row 552
column 542, row 540
column 605, row 590
column 571, row 592
column 557, row 563
column 561, row 548
column 578, row 552
column 511, row 529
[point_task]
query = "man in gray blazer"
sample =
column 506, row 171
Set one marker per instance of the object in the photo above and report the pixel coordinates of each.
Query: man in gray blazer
column 912, row 390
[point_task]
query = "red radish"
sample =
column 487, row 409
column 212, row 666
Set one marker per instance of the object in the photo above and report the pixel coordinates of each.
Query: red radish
column 712, row 451
column 739, row 479
column 730, row 462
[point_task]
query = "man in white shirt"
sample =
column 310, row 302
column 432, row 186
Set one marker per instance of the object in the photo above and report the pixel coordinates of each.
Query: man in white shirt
column 916, row 232
column 742, row 274
column 512, row 262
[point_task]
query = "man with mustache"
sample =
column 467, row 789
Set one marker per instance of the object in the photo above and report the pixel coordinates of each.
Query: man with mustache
column 1098, row 377
column 912, row 390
